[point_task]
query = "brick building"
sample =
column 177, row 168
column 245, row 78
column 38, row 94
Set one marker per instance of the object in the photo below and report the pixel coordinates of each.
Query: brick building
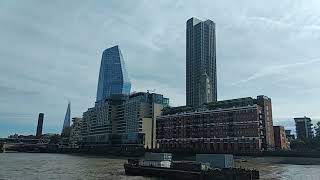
column 280, row 140
column 234, row 126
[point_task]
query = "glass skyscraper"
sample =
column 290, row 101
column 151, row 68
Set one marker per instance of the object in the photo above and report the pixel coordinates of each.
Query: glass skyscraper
column 113, row 76
column 201, row 80
column 66, row 122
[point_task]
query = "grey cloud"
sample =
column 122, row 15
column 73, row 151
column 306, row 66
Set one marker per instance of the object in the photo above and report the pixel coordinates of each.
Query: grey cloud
column 54, row 47
column 11, row 91
column 287, row 25
column 276, row 70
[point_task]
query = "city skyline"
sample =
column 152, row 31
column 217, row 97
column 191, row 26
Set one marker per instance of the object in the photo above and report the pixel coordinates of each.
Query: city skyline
column 258, row 52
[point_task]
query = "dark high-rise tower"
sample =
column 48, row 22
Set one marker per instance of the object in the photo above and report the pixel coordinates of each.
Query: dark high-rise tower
column 201, row 77
column 304, row 128
column 113, row 76
column 40, row 125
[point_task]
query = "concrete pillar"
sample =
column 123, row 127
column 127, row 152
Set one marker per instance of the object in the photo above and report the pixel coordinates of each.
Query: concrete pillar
column 2, row 147
column 221, row 146
column 216, row 146
column 236, row 148
column 209, row 147
column 229, row 147
column 241, row 147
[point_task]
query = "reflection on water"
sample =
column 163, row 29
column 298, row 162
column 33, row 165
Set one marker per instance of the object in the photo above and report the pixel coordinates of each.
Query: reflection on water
column 274, row 168
column 63, row 166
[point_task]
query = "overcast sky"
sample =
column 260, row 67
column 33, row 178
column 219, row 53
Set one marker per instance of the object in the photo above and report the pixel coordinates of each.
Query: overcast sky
column 50, row 53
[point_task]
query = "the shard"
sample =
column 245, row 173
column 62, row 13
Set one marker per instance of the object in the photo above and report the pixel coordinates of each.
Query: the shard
column 66, row 123
column 113, row 76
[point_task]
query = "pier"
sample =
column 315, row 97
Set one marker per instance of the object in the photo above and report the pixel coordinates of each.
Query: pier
column 2, row 149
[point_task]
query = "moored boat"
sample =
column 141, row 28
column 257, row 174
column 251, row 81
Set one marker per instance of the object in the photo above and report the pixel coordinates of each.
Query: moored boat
column 186, row 170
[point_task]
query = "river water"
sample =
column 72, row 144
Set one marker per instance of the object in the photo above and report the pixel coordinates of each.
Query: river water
column 27, row 166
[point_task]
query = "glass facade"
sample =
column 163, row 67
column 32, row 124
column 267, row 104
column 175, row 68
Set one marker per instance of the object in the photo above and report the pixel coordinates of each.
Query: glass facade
column 66, row 123
column 123, row 121
column 201, row 80
column 113, row 76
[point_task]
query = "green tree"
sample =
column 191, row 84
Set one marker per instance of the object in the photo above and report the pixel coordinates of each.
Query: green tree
column 55, row 139
column 317, row 129
column 298, row 144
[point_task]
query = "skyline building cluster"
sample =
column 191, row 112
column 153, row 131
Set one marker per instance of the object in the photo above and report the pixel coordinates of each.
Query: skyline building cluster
column 119, row 118
column 243, row 125
column 128, row 120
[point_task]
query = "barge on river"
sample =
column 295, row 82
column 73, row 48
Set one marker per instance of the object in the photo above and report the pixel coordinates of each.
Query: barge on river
column 161, row 165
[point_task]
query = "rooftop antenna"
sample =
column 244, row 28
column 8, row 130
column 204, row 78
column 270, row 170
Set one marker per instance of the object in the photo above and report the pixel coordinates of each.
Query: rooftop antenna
column 151, row 90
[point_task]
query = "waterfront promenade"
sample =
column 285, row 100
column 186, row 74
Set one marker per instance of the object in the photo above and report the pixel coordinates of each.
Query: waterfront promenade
column 65, row 166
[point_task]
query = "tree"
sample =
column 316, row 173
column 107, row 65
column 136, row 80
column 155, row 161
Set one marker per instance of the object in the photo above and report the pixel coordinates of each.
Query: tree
column 298, row 144
column 55, row 139
column 317, row 129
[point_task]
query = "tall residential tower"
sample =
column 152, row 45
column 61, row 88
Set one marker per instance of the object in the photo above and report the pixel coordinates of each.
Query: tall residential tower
column 303, row 128
column 201, row 77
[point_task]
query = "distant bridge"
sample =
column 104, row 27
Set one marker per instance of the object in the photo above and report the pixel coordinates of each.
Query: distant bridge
column 23, row 145
column 24, row 140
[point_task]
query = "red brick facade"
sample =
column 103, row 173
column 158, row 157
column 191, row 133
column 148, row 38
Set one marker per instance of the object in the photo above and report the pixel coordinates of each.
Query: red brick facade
column 280, row 140
column 232, row 130
column 267, row 123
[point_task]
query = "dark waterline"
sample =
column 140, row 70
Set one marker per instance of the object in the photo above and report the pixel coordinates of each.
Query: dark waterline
column 63, row 166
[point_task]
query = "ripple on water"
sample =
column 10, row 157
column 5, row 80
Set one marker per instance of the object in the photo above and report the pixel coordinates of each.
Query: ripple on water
column 26, row 166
